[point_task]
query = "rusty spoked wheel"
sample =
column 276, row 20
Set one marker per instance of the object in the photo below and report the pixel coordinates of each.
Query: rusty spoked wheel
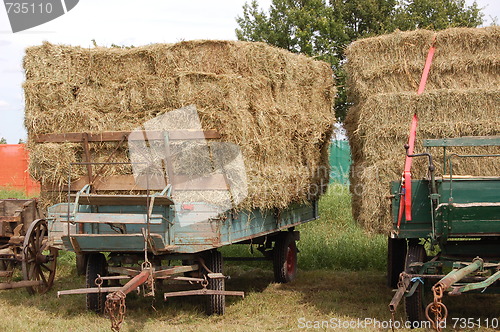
column 285, row 258
column 39, row 260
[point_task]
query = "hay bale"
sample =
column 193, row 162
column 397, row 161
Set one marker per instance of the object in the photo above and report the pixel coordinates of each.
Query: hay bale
column 464, row 58
column 277, row 106
column 461, row 99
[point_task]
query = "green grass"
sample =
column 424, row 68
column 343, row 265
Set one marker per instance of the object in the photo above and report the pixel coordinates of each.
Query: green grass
column 6, row 193
column 317, row 295
column 334, row 241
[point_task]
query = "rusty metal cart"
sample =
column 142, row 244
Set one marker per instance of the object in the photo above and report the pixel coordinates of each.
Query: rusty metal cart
column 24, row 246
column 134, row 238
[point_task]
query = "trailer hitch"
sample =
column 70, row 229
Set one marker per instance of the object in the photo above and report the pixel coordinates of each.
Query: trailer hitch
column 115, row 306
column 437, row 307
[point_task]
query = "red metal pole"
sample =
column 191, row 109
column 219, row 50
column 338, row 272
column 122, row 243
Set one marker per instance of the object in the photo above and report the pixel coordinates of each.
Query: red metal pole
column 135, row 282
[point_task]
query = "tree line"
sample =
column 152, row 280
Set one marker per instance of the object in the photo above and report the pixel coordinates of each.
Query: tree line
column 323, row 28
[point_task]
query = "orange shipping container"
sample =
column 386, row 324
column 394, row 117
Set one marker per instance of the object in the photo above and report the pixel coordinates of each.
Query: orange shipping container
column 14, row 169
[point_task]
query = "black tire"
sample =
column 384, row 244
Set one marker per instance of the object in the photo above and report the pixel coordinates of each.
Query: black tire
column 216, row 304
column 285, row 258
column 96, row 265
column 81, row 264
column 414, row 305
column 396, row 257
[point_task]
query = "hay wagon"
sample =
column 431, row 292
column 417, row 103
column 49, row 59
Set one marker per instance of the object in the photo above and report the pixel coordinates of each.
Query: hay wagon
column 454, row 216
column 129, row 240
column 24, row 246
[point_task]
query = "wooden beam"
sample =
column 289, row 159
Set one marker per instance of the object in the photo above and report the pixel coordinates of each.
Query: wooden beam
column 128, row 183
column 212, row 182
column 108, row 183
column 116, row 136
column 123, row 200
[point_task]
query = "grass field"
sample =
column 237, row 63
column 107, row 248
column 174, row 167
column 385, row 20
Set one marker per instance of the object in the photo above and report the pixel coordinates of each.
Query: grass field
column 341, row 279
column 9, row 193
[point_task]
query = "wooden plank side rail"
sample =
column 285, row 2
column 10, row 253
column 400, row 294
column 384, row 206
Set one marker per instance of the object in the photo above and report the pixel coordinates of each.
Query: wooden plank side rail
column 116, row 136
column 128, row 183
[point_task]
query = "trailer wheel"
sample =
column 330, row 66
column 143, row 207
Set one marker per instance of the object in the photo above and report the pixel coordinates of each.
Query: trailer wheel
column 216, row 303
column 96, row 265
column 285, row 258
column 39, row 259
column 81, row 264
column 414, row 305
column 396, row 257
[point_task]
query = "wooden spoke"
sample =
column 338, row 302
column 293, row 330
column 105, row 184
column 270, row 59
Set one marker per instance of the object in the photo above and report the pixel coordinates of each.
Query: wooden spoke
column 39, row 260
column 46, row 267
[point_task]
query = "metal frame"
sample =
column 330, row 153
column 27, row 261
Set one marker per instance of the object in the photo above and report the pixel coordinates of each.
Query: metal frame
column 460, row 215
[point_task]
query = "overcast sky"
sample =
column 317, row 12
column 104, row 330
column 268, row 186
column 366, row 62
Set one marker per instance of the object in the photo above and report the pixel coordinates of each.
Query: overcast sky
column 122, row 22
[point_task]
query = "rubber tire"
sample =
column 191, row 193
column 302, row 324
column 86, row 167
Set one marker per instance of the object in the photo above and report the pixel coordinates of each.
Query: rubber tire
column 96, row 264
column 285, row 258
column 396, row 257
column 216, row 304
column 81, row 264
column 414, row 305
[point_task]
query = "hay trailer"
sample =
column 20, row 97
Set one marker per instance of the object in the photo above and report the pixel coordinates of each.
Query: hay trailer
column 456, row 217
column 129, row 241
column 24, row 246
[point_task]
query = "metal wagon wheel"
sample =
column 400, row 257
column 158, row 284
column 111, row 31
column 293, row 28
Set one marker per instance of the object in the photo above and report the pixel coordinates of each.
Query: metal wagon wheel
column 285, row 258
column 39, row 260
column 414, row 305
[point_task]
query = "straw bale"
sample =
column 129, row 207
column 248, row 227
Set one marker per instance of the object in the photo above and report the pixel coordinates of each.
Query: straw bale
column 275, row 105
column 462, row 98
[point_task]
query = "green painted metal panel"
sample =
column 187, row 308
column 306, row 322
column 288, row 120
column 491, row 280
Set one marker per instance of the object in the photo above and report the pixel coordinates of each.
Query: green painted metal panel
column 111, row 242
column 470, row 190
column 467, row 207
column 183, row 230
column 420, row 226
column 340, row 161
column 463, row 141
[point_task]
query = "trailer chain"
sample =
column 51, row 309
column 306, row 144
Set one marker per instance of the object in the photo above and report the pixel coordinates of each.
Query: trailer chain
column 115, row 308
column 437, row 308
column 149, row 285
column 98, row 282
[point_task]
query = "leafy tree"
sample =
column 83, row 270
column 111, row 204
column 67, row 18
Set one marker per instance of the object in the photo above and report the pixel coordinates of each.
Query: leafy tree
column 323, row 29
column 437, row 15
column 3, row 140
column 302, row 26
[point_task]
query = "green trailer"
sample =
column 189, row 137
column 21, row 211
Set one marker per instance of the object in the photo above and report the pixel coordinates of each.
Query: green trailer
column 450, row 240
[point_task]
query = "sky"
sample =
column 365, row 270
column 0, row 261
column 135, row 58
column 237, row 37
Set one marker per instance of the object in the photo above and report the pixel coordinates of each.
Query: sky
column 122, row 22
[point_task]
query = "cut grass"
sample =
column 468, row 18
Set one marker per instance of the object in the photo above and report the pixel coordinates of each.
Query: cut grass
column 319, row 295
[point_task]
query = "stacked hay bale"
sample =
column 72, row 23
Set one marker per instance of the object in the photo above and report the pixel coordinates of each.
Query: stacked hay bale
column 462, row 98
column 277, row 106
